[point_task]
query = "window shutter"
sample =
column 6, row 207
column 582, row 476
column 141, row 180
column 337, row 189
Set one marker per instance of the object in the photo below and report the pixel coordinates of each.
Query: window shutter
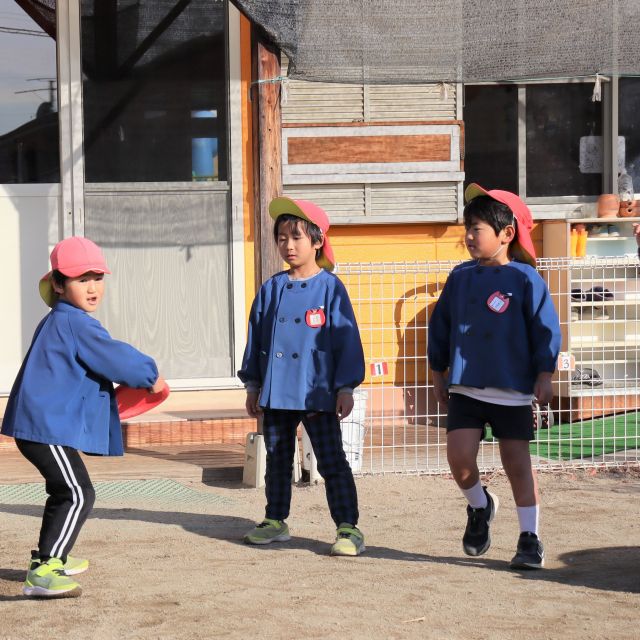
column 393, row 153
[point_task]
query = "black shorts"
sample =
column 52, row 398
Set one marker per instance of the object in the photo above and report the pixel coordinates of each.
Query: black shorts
column 511, row 423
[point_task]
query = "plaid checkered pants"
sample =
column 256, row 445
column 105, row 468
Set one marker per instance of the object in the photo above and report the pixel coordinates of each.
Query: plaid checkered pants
column 279, row 431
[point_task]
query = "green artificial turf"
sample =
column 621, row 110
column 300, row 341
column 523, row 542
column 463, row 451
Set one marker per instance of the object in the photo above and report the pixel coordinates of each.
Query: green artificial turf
column 587, row 438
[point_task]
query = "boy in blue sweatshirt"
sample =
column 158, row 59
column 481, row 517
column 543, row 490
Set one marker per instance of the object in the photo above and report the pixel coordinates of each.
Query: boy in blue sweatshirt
column 496, row 332
column 63, row 402
column 302, row 361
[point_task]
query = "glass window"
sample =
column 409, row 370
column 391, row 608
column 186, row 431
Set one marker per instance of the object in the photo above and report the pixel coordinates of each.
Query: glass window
column 154, row 90
column 29, row 146
column 491, row 136
column 564, row 130
column 564, row 144
column 629, row 126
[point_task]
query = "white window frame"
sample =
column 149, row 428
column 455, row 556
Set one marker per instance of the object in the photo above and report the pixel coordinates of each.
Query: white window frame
column 72, row 170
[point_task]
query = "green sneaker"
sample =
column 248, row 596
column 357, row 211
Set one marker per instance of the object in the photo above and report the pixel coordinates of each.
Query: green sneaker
column 72, row 567
column 268, row 531
column 349, row 541
column 48, row 580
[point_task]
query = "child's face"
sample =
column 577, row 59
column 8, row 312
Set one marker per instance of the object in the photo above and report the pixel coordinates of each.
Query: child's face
column 295, row 246
column 84, row 292
column 484, row 244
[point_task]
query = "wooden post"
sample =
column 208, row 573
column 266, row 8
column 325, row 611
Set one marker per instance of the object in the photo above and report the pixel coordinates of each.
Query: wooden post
column 267, row 146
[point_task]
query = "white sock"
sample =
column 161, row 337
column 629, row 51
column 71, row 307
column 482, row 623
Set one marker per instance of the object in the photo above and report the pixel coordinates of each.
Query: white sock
column 528, row 518
column 476, row 497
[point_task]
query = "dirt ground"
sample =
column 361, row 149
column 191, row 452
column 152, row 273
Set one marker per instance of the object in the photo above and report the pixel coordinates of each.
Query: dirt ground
column 179, row 570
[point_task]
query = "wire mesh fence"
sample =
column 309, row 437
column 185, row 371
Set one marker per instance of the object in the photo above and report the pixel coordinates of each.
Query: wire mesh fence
column 593, row 419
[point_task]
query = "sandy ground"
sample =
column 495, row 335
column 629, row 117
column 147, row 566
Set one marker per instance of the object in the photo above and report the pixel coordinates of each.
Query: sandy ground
column 179, row 571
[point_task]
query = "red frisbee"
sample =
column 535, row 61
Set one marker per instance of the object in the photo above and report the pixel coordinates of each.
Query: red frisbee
column 133, row 402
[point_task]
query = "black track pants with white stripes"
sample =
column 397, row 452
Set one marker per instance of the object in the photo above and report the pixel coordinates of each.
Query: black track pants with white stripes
column 71, row 495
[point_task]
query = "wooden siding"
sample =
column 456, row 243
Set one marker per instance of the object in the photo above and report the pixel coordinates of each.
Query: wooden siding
column 382, row 203
column 309, row 102
column 371, row 153
column 411, row 102
column 389, row 148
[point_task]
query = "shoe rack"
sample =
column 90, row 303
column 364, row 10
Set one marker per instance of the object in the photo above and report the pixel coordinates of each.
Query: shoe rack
column 597, row 294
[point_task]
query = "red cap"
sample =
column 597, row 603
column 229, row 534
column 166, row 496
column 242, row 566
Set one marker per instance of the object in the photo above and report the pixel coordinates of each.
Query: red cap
column 522, row 248
column 313, row 213
column 72, row 257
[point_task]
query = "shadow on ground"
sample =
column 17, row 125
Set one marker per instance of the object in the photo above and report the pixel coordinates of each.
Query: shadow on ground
column 222, row 465
column 606, row 568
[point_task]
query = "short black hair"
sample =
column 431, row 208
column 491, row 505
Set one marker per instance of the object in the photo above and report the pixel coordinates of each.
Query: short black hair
column 494, row 213
column 58, row 277
column 311, row 230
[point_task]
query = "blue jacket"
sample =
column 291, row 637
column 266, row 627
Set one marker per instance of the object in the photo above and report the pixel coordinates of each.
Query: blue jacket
column 64, row 393
column 300, row 358
column 505, row 347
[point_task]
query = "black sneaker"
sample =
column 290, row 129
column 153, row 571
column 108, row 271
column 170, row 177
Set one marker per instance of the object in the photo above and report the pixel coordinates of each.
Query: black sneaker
column 530, row 552
column 476, row 539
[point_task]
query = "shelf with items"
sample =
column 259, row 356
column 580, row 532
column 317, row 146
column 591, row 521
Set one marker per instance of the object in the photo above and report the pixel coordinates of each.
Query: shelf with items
column 598, row 300
column 608, row 390
column 602, row 237
column 591, row 280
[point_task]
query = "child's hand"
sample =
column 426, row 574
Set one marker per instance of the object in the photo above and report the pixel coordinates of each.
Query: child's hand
column 344, row 405
column 440, row 387
column 636, row 232
column 158, row 385
column 251, row 404
column 542, row 389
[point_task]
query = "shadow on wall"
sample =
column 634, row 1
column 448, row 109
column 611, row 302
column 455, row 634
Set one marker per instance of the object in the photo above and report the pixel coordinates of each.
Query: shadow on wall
column 411, row 371
column 34, row 221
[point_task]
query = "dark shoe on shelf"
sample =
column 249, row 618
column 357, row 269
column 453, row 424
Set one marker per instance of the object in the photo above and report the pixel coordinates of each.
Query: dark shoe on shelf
column 587, row 377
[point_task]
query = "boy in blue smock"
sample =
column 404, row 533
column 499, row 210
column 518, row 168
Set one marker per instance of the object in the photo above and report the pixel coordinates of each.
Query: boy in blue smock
column 62, row 402
column 302, row 361
column 496, row 331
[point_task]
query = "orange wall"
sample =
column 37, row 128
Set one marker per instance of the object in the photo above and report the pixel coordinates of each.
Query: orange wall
column 392, row 304
column 247, row 164
column 404, row 242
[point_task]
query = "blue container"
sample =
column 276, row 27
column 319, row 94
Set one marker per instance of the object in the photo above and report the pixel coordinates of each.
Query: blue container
column 204, row 155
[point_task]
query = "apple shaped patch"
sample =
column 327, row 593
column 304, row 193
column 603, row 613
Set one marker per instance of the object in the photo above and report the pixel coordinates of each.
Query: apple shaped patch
column 498, row 302
column 315, row 318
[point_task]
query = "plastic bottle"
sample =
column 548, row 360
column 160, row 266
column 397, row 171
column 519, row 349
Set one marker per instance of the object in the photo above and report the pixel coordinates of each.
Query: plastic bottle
column 581, row 245
column 625, row 187
column 574, row 242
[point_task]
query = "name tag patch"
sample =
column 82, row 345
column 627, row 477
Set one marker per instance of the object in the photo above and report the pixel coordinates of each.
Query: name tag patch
column 315, row 318
column 498, row 302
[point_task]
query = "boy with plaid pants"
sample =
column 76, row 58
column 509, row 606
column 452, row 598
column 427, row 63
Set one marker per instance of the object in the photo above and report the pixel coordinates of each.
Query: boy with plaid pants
column 302, row 361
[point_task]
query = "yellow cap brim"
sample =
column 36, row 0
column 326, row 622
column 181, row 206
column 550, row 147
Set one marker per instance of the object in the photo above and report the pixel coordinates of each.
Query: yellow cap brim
column 46, row 290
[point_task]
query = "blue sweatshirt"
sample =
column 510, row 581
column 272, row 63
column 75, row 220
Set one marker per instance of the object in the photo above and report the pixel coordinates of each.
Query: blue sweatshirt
column 303, row 343
column 494, row 327
column 64, row 394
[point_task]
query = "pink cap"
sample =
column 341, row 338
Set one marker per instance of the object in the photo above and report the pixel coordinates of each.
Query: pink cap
column 313, row 213
column 522, row 247
column 72, row 257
